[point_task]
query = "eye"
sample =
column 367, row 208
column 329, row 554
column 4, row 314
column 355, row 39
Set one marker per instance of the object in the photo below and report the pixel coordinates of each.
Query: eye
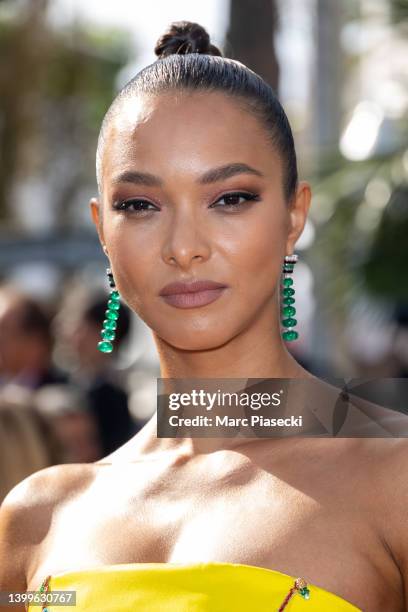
column 138, row 206
column 233, row 199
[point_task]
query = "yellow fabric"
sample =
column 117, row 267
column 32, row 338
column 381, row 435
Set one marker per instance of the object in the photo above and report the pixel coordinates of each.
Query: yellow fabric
column 196, row 587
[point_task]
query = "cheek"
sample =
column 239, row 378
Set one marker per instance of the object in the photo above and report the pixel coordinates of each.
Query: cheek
column 256, row 250
column 134, row 256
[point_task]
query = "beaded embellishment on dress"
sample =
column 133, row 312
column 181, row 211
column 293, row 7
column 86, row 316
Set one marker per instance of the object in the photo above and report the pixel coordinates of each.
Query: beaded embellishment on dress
column 299, row 586
column 44, row 589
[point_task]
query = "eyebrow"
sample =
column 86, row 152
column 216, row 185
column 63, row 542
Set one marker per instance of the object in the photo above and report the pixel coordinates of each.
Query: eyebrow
column 211, row 176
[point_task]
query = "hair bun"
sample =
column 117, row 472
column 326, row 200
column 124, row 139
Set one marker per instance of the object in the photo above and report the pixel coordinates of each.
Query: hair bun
column 185, row 37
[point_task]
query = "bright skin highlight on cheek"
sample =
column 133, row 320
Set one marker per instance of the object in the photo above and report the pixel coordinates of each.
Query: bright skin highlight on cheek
column 231, row 230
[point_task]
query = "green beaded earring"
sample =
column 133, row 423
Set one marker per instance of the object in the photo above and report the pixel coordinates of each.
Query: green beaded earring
column 288, row 309
column 112, row 315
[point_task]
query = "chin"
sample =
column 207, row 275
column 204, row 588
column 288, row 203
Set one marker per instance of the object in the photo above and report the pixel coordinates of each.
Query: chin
column 195, row 340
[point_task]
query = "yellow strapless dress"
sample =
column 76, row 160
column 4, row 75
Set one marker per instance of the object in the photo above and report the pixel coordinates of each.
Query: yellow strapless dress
column 195, row 587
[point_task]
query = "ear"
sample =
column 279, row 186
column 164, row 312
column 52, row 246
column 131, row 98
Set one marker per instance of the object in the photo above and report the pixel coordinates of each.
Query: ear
column 96, row 214
column 298, row 214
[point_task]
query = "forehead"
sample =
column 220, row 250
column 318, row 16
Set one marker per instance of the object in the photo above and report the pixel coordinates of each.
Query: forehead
column 181, row 129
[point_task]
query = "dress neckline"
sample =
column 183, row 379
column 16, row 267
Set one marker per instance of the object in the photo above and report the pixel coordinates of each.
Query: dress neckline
column 199, row 565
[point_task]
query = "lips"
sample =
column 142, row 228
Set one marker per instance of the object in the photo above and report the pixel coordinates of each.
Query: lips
column 193, row 294
column 191, row 287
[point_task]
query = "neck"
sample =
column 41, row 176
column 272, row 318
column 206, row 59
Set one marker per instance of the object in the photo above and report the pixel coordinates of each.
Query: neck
column 258, row 352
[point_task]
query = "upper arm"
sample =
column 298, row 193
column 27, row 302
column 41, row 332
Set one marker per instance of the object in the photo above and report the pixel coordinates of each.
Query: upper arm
column 25, row 517
column 14, row 545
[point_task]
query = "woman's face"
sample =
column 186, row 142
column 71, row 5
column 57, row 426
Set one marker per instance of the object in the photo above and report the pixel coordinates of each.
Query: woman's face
column 187, row 221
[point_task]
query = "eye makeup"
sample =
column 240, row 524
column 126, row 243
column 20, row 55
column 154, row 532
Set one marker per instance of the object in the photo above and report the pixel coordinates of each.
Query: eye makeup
column 232, row 202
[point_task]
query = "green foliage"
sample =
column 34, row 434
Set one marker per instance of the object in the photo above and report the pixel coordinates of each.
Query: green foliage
column 85, row 65
column 55, row 87
column 399, row 10
column 385, row 271
column 360, row 244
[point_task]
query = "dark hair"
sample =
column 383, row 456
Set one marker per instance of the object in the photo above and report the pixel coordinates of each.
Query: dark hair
column 185, row 37
column 34, row 318
column 188, row 60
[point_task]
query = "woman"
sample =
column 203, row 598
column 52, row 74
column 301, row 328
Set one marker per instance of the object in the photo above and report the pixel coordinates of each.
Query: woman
column 197, row 181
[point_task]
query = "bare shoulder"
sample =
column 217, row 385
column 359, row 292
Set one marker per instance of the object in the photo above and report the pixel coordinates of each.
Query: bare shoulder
column 49, row 484
column 391, row 455
column 389, row 485
column 395, row 472
column 383, row 462
column 26, row 512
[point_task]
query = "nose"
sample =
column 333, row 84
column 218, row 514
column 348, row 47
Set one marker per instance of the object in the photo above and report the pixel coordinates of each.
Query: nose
column 186, row 240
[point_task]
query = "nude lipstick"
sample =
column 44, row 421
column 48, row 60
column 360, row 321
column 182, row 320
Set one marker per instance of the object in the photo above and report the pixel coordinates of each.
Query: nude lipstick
column 192, row 294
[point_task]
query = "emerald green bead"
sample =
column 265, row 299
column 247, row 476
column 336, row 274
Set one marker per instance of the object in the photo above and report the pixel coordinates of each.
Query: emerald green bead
column 113, row 304
column 108, row 334
column 289, row 311
column 290, row 335
column 289, row 322
column 105, row 346
column 288, row 300
column 112, row 314
column 114, row 295
column 107, row 324
column 287, row 282
column 305, row 592
column 288, row 291
column 288, row 266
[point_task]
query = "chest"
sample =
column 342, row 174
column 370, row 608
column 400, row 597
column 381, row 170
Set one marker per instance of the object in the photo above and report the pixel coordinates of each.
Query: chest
column 254, row 517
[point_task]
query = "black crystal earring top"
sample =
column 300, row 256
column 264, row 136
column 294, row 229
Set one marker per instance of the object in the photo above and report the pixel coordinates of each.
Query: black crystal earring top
column 288, row 302
column 112, row 316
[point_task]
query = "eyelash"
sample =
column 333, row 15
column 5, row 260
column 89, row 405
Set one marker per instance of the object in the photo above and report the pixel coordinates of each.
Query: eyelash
column 125, row 205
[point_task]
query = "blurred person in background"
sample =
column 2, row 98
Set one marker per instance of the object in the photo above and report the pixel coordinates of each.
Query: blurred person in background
column 66, row 408
column 93, row 371
column 27, row 441
column 26, row 341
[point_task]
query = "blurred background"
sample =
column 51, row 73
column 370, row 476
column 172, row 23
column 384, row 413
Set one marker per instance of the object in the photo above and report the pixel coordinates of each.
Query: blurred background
column 341, row 72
